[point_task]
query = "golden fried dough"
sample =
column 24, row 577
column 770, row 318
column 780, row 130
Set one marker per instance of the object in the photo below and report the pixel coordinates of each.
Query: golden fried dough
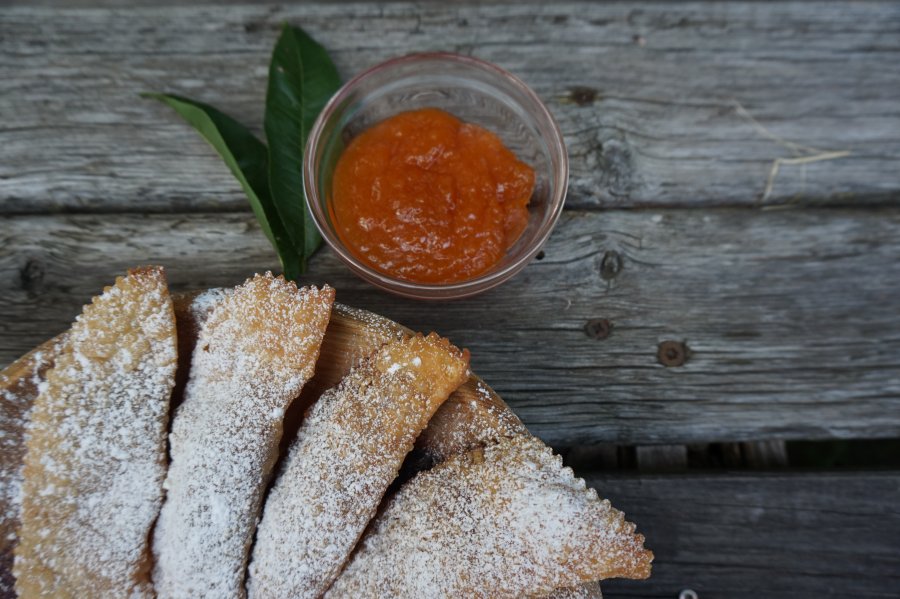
column 19, row 384
column 255, row 351
column 96, row 449
column 348, row 450
column 505, row 521
column 474, row 416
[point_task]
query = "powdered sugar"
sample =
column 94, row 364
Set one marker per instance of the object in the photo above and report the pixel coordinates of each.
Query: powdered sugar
column 505, row 521
column 96, row 448
column 204, row 302
column 377, row 331
column 257, row 347
column 347, row 452
column 474, row 416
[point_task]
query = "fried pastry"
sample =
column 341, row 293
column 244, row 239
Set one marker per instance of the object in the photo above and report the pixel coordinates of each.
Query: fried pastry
column 474, row 416
column 19, row 384
column 505, row 521
column 471, row 416
column 256, row 349
column 96, row 449
column 348, row 450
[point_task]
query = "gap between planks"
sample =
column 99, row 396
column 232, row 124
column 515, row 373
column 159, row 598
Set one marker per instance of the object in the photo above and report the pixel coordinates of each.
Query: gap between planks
column 751, row 455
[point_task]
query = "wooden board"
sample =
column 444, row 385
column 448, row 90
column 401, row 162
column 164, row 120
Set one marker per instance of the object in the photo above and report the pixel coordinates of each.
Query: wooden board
column 788, row 320
column 746, row 536
column 661, row 104
column 789, row 317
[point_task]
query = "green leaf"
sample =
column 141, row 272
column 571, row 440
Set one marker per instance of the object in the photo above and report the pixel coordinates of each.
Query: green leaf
column 247, row 159
column 302, row 79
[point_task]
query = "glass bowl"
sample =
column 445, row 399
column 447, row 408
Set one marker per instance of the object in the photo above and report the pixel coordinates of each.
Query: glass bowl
column 472, row 90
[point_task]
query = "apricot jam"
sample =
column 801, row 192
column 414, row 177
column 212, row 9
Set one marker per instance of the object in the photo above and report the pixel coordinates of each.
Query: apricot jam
column 427, row 198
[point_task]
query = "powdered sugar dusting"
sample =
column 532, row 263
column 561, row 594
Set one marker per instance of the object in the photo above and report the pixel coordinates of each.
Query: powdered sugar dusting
column 96, row 447
column 377, row 331
column 474, row 417
column 203, row 303
column 505, row 521
column 255, row 351
column 347, row 452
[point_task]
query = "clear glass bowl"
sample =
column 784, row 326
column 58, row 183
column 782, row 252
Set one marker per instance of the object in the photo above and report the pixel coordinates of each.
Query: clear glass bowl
column 472, row 90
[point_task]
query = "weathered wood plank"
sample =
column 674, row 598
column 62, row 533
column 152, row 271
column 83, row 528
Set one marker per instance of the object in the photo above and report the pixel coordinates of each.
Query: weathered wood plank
column 789, row 319
column 647, row 96
column 751, row 536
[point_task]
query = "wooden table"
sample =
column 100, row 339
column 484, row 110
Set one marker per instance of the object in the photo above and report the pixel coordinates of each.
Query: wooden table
column 727, row 269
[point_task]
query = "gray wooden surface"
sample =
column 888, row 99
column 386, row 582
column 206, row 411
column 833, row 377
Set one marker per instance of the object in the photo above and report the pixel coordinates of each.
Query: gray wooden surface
column 790, row 318
column 690, row 293
column 757, row 536
column 661, row 104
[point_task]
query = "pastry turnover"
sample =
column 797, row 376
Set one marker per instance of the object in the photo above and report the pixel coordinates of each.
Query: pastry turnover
column 505, row 521
column 474, row 418
column 19, row 384
column 255, row 351
column 95, row 460
column 347, row 452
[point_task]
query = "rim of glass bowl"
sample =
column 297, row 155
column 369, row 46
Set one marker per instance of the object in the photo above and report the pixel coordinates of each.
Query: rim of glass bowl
column 411, row 289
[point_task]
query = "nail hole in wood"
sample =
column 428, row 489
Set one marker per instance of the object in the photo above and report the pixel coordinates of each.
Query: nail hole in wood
column 540, row 255
column 672, row 353
column 611, row 265
column 31, row 276
column 583, row 96
column 598, row 328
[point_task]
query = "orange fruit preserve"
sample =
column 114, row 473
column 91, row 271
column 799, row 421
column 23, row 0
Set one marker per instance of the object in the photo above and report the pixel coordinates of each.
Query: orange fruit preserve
column 427, row 198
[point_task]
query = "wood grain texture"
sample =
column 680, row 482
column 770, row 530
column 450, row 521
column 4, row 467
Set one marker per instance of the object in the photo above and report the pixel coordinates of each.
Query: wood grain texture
column 647, row 96
column 788, row 319
column 749, row 536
